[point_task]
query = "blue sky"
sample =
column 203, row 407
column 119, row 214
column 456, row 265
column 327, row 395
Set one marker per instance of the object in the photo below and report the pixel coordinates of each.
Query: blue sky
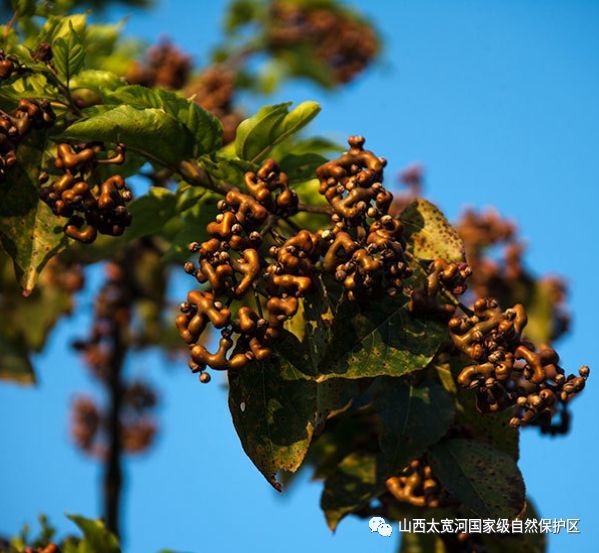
column 499, row 99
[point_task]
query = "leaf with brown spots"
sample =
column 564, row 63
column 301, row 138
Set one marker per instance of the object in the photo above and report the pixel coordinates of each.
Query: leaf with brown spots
column 275, row 417
column 29, row 232
column 382, row 339
column 429, row 235
column 485, row 480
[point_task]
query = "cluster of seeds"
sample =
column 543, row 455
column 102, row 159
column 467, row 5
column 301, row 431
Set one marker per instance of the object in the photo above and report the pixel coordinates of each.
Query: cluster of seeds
column 102, row 350
column 363, row 249
column 7, row 66
column 417, row 486
column 231, row 264
column 92, row 206
column 506, row 278
column 252, row 258
column 510, row 371
column 15, row 126
column 165, row 66
column 342, row 43
column 89, row 422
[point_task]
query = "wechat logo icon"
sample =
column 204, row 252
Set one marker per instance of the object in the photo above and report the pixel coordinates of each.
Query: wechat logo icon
column 378, row 524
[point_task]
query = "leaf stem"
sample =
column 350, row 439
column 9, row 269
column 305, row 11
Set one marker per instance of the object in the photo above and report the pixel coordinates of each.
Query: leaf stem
column 324, row 209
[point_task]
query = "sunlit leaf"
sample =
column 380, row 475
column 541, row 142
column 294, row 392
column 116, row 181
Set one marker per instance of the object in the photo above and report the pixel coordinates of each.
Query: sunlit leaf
column 152, row 133
column 429, row 235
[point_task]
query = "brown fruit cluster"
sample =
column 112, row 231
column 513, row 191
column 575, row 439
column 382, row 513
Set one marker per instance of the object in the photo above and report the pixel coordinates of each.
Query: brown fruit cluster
column 15, row 126
column 214, row 90
column 7, row 66
column 345, row 45
column 417, row 486
column 138, row 428
column 64, row 275
column 92, row 207
column 164, row 66
column 248, row 260
column 103, row 350
column 112, row 316
column 507, row 279
column 231, row 264
column 510, row 371
column 441, row 277
column 364, row 250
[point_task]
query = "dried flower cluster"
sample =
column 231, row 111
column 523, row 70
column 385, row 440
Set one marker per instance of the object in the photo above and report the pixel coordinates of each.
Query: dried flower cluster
column 92, row 206
column 342, row 43
column 510, row 371
column 15, row 126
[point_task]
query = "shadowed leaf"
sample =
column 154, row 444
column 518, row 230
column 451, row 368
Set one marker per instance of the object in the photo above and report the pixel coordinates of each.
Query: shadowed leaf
column 351, row 486
column 485, row 480
column 383, row 339
column 30, row 233
column 14, row 361
column 411, row 418
column 275, row 418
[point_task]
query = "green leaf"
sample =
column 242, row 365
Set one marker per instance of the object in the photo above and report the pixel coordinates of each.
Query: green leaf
column 295, row 120
column 260, row 133
column 411, row 418
column 203, row 126
column 152, row 133
column 230, row 170
column 96, row 538
column 429, row 235
column 14, row 361
column 254, row 135
column 30, row 233
column 351, row 486
column 302, row 167
column 540, row 309
column 492, row 428
column 150, row 212
column 25, row 8
column 68, row 54
column 381, row 339
column 486, row 481
column 97, row 80
column 240, row 13
column 189, row 226
column 275, row 418
column 60, row 26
